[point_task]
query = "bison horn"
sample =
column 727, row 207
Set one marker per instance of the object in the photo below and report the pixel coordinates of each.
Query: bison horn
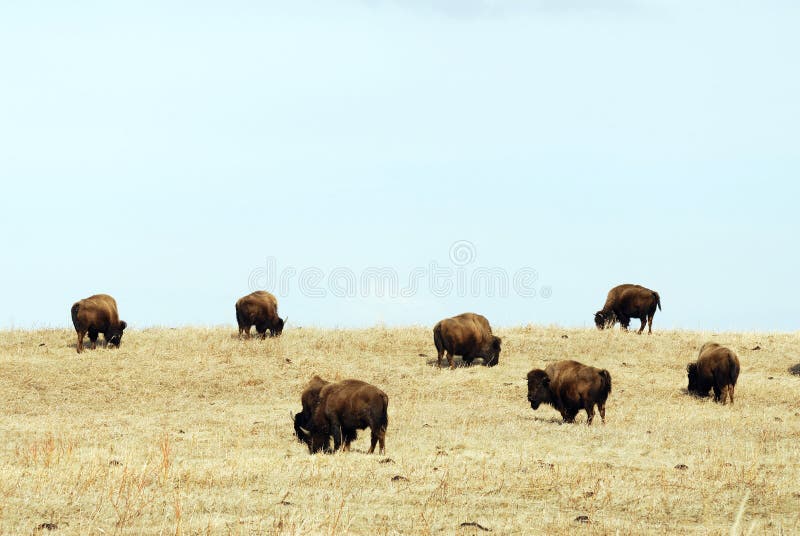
column 304, row 430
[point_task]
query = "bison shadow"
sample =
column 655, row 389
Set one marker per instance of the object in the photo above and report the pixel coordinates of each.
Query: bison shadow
column 697, row 396
column 254, row 337
column 556, row 419
column 795, row 369
column 87, row 345
column 457, row 361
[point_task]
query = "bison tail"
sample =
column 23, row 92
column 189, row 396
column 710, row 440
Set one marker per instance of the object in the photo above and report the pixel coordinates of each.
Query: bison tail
column 606, row 381
column 437, row 338
column 74, row 310
column 658, row 300
column 384, row 419
column 734, row 369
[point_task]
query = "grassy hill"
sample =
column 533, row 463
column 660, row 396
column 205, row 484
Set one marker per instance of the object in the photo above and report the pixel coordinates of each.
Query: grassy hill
column 188, row 431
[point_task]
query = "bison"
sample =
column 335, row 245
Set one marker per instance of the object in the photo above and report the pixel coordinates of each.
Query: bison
column 570, row 386
column 97, row 314
column 716, row 368
column 625, row 302
column 468, row 335
column 308, row 400
column 339, row 410
column 259, row 309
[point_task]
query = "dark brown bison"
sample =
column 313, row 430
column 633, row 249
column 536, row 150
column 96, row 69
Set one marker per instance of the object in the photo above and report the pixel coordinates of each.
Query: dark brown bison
column 468, row 335
column 716, row 368
column 259, row 309
column 308, row 400
column 339, row 410
column 97, row 314
column 569, row 387
column 625, row 302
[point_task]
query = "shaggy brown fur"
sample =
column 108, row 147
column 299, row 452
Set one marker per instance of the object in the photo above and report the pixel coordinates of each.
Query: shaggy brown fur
column 570, row 386
column 97, row 314
column 259, row 309
column 716, row 368
column 625, row 302
column 309, row 400
column 341, row 409
column 468, row 335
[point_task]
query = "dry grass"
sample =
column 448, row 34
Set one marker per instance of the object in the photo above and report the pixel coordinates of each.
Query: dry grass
column 187, row 431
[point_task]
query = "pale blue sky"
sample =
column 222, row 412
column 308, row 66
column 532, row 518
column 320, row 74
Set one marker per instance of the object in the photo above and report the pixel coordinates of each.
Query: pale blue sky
column 162, row 152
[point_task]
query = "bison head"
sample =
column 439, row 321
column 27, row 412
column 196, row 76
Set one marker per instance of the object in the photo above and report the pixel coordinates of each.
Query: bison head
column 316, row 438
column 604, row 320
column 694, row 380
column 114, row 335
column 493, row 352
column 599, row 320
column 538, row 388
column 277, row 328
column 301, row 428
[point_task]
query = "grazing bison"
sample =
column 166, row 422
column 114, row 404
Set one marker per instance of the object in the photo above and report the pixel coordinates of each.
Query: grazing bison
column 625, row 302
column 308, row 400
column 339, row 410
column 97, row 314
column 716, row 368
column 468, row 335
column 570, row 386
column 259, row 309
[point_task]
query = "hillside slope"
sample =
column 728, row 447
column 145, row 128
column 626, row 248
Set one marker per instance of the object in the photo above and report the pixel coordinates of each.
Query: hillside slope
column 188, row 431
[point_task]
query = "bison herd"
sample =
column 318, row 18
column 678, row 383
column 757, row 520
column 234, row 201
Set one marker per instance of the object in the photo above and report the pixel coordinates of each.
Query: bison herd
column 338, row 410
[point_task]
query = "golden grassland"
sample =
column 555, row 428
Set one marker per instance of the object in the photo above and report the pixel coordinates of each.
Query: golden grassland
column 188, row 431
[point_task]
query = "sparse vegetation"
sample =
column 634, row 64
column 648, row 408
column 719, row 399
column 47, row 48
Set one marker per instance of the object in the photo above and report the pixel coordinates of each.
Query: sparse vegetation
column 188, row 431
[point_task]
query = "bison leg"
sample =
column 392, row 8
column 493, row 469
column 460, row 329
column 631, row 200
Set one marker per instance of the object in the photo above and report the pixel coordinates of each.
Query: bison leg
column 349, row 436
column 336, row 432
column 589, row 407
column 730, row 393
column 319, row 442
column 624, row 321
column 650, row 323
column 644, row 323
column 450, row 359
column 717, row 393
column 93, row 338
column 244, row 332
column 261, row 330
column 724, row 396
column 439, row 358
column 602, row 408
column 378, row 435
column 79, row 347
